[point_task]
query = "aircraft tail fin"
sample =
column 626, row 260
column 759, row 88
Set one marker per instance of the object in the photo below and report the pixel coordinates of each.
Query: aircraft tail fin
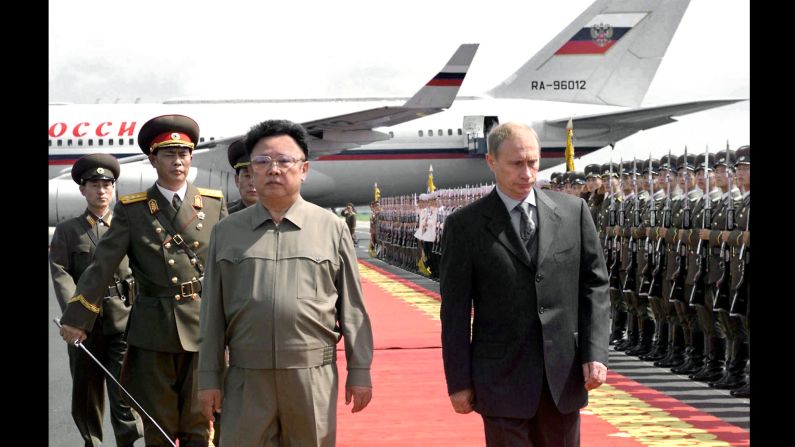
column 440, row 91
column 608, row 55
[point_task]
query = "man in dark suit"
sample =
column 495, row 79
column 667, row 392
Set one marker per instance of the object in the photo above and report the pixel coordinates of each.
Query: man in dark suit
column 538, row 283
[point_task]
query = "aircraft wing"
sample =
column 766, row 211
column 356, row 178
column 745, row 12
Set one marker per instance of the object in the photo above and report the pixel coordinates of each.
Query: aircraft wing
column 627, row 122
column 336, row 133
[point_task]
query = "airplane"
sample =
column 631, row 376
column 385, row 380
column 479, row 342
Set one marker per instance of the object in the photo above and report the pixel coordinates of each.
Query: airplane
column 603, row 61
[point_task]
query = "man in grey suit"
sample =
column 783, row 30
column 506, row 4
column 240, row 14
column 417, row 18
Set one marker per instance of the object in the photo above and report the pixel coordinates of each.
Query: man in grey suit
column 530, row 263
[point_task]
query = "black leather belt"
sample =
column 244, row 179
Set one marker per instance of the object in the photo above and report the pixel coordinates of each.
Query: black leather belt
column 190, row 289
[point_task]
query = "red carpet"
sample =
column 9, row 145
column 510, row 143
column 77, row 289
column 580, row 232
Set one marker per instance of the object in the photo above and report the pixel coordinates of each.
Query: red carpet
column 410, row 404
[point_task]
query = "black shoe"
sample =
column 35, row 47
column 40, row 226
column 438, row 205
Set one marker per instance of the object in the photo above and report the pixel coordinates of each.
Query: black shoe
column 692, row 365
column 709, row 373
column 744, row 391
column 732, row 381
column 675, row 358
column 655, row 354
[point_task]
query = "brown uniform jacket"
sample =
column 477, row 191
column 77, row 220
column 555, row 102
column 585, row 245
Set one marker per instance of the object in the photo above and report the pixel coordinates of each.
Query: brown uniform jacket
column 162, row 318
column 71, row 252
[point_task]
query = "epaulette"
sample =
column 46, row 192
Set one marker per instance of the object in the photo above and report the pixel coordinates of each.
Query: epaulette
column 211, row 193
column 133, row 198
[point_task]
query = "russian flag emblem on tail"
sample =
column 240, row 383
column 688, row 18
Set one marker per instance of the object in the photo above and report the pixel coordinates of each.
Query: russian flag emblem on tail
column 601, row 33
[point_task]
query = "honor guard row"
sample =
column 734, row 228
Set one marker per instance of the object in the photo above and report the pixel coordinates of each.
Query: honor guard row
column 677, row 290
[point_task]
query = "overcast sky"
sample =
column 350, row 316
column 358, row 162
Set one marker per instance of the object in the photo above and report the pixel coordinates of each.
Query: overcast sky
column 155, row 50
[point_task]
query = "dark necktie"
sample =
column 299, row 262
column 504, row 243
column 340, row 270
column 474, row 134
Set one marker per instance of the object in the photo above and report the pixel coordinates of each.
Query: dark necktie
column 527, row 227
column 176, row 202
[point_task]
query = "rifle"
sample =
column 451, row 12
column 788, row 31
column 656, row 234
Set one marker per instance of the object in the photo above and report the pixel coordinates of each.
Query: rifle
column 615, row 280
column 739, row 307
column 678, row 276
column 655, row 288
column 611, row 213
column 646, row 274
column 722, row 286
column 630, row 281
column 700, row 278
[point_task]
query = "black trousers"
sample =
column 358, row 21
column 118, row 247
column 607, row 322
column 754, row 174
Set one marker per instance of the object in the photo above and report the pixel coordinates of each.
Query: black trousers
column 547, row 428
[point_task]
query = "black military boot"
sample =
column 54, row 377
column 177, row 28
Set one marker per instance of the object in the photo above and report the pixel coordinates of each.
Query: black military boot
column 632, row 334
column 660, row 345
column 734, row 377
column 619, row 323
column 715, row 358
column 676, row 348
column 745, row 390
column 644, row 339
column 695, row 359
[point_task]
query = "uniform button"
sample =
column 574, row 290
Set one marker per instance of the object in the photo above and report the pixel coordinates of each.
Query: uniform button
column 177, row 297
column 193, row 261
column 199, row 226
column 539, row 277
column 158, row 230
column 541, row 310
column 196, row 244
column 168, row 244
column 170, row 262
column 175, row 280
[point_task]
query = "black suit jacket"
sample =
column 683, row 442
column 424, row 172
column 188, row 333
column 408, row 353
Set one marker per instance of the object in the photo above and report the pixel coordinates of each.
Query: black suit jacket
column 531, row 318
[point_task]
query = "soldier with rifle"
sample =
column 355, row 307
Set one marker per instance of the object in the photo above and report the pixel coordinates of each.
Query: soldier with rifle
column 685, row 268
column 659, row 215
column 624, row 230
column 722, row 218
column 616, row 217
column 698, row 260
column 637, row 233
column 649, row 212
column 736, row 320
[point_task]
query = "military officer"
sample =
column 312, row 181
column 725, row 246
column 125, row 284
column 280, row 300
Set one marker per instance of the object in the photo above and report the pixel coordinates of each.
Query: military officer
column 238, row 159
column 165, row 231
column 71, row 251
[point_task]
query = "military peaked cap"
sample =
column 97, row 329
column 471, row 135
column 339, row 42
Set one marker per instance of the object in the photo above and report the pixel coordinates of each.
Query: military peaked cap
column 168, row 131
column 743, row 156
column 238, row 157
column 95, row 167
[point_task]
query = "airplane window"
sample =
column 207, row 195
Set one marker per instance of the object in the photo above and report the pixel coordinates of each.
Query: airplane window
column 212, row 138
column 459, row 132
column 51, row 141
column 110, row 141
column 132, row 142
column 392, row 134
column 430, row 132
column 69, row 142
column 121, row 141
column 441, row 133
column 79, row 142
column 60, row 142
column 90, row 141
column 101, row 141
column 201, row 140
column 449, row 131
column 420, row 133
